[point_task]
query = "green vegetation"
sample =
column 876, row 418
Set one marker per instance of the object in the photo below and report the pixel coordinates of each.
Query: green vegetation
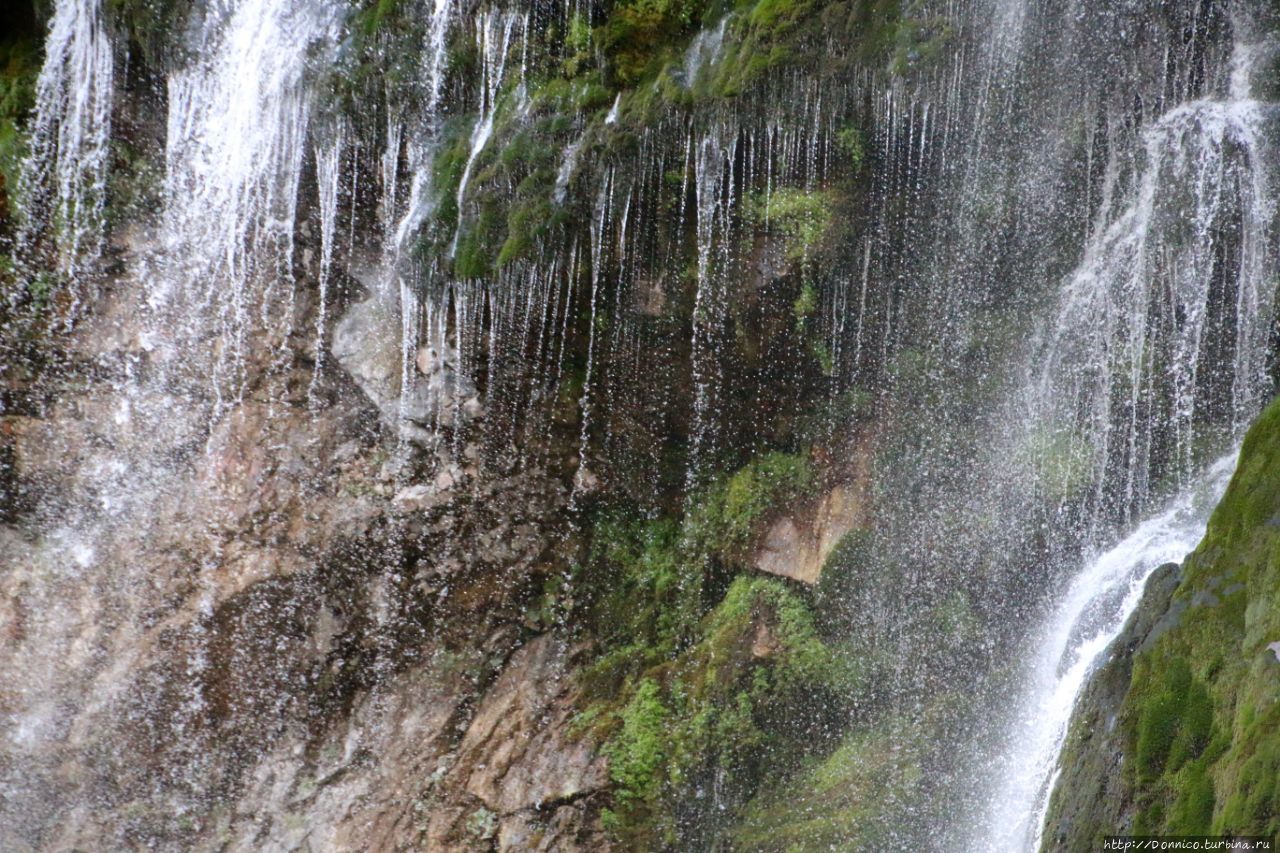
column 704, row 666
column 1202, row 713
column 19, row 66
column 639, row 32
column 632, row 51
column 919, row 41
column 746, row 687
column 850, row 141
column 722, row 521
column 806, row 303
column 1063, row 460
column 660, row 572
column 837, row 802
column 799, row 218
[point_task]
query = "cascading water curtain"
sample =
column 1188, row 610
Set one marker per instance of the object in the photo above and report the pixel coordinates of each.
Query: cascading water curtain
column 64, row 178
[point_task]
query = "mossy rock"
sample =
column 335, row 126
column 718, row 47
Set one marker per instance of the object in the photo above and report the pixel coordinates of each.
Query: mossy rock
column 1198, row 729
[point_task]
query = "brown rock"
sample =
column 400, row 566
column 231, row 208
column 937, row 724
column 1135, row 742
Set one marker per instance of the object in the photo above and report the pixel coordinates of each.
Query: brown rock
column 797, row 549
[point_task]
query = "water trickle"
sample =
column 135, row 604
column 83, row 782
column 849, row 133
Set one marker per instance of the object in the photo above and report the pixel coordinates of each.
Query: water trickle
column 425, row 141
column 493, row 39
column 703, row 52
column 712, row 165
column 63, row 181
column 328, row 177
column 1192, row 231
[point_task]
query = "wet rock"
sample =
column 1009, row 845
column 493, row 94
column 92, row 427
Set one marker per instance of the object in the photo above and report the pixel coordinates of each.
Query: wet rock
column 585, row 481
column 797, row 546
column 364, row 345
column 1090, row 796
column 366, row 342
column 418, row 498
column 517, row 744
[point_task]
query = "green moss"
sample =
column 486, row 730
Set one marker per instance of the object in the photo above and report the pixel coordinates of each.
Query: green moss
column 19, row 67
column 920, row 41
column 376, row 15
column 1062, row 460
column 638, row 753
column 851, row 145
column 779, row 16
column 724, row 517
column 639, row 33
column 843, row 801
column 1255, row 795
column 806, row 303
column 473, row 255
column 1202, row 712
column 1193, row 808
column 1174, row 725
column 704, row 666
column 748, row 686
column 800, row 218
column 822, row 354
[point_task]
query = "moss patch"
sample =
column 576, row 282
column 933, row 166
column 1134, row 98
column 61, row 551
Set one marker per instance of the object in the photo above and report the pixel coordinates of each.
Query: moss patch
column 705, row 667
column 1202, row 714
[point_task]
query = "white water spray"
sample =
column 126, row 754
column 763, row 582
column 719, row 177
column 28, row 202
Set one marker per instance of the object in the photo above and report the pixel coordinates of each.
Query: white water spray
column 1074, row 642
column 239, row 122
column 64, row 178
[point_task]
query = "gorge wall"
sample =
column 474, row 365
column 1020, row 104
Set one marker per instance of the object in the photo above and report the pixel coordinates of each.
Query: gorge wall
column 652, row 424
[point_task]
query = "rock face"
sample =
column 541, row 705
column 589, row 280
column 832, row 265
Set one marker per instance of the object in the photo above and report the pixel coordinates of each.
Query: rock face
column 413, row 768
column 1090, row 798
column 439, row 394
column 314, row 642
column 797, row 546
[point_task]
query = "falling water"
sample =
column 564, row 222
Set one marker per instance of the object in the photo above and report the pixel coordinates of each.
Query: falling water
column 328, row 178
column 1176, row 273
column 239, row 119
column 1199, row 214
column 1070, row 647
column 423, row 142
column 64, row 177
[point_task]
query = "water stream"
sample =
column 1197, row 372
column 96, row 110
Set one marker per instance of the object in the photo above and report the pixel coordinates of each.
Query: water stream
column 1073, row 643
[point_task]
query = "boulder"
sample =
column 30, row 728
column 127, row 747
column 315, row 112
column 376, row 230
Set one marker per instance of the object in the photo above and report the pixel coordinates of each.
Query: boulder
column 796, row 546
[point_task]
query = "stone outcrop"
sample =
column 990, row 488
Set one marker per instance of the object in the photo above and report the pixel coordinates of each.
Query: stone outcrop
column 797, row 545
column 439, row 394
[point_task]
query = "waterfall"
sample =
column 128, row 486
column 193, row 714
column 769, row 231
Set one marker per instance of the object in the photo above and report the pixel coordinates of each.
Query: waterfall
column 422, row 146
column 238, row 129
column 1158, row 345
column 1051, row 272
column 64, row 178
column 1193, row 227
column 1072, row 644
